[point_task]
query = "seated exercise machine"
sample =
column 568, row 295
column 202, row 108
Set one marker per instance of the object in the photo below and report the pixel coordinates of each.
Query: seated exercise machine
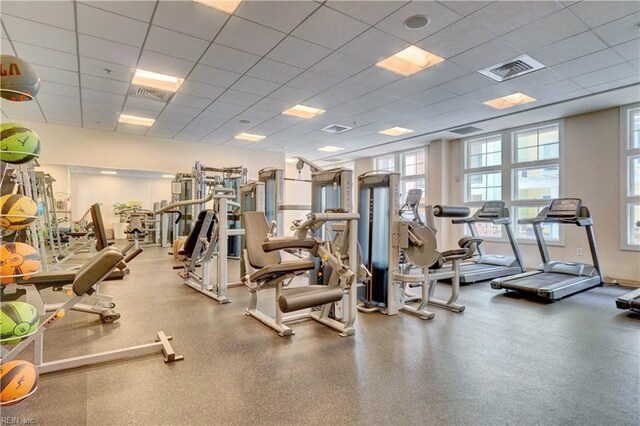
column 266, row 269
column 631, row 300
column 87, row 278
column 392, row 246
column 555, row 280
column 208, row 238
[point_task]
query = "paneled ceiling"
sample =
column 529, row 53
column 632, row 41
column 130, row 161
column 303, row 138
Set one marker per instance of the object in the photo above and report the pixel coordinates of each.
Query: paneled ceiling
column 270, row 55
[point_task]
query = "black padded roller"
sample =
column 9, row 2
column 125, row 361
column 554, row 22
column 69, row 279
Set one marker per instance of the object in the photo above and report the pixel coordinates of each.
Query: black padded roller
column 450, row 211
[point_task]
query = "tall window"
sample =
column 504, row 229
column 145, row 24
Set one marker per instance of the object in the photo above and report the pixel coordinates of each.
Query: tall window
column 386, row 163
column 519, row 166
column 630, row 176
column 412, row 168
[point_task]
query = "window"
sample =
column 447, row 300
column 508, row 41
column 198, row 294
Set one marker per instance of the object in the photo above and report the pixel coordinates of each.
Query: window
column 413, row 163
column 520, row 167
column 412, row 168
column 386, row 163
column 630, row 176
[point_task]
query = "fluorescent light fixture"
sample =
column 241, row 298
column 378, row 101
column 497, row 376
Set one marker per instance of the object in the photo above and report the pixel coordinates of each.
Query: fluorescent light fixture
column 249, row 137
column 225, row 6
column 291, row 160
column 509, row 101
column 396, row 131
column 330, row 148
column 410, row 61
column 303, row 111
column 157, row 81
column 132, row 119
column 108, row 172
column 168, row 176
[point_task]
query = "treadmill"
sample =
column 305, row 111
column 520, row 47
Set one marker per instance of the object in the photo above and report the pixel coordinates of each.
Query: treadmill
column 631, row 300
column 490, row 266
column 555, row 280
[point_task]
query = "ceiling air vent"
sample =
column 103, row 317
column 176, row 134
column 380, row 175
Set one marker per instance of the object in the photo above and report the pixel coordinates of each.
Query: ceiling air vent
column 333, row 160
column 336, row 129
column 513, row 68
column 466, row 130
column 147, row 93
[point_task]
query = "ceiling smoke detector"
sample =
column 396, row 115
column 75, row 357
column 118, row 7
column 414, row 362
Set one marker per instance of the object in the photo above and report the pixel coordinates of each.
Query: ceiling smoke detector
column 513, row 68
column 336, row 129
column 416, row 22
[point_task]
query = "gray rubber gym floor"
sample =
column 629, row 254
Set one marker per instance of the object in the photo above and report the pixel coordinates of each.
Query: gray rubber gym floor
column 505, row 360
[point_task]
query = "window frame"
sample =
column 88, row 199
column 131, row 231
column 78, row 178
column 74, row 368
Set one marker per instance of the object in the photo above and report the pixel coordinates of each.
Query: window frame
column 399, row 165
column 626, row 200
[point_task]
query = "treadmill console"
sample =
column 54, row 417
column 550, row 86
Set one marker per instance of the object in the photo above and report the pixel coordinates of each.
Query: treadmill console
column 413, row 197
column 564, row 208
column 491, row 209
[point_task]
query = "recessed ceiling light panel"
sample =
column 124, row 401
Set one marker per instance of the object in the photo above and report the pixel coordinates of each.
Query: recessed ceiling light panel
column 509, row 101
column 156, row 80
column 409, row 61
column 330, row 148
column 108, row 172
column 249, row 137
column 138, row 121
column 303, row 111
column 396, row 131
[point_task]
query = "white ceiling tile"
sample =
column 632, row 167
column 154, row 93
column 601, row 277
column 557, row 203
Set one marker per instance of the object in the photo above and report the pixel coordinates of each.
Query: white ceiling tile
column 629, row 50
column 440, row 17
column 213, row 76
column 162, row 132
column 57, row 75
column 198, row 89
column 368, row 12
column 249, row 37
column 193, row 133
column 175, row 44
column 273, row 105
column 570, row 48
column 240, row 98
column 290, row 94
column 145, row 104
column 588, row 63
column 274, row 71
column 345, row 91
column 340, row 66
column 42, row 56
column 71, row 101
column 313, row 81
column 259, row 114
column 596, row 13
column 105, row 50
column 456, row 38
column 297, row 52
column 400, row 106
column 404, row 87
column 502, row 17
column 156, row 62
column 211, row 119
column 255, row 86
column 190, row 100
column 136, row 9
column 547, row 30
column 373, row 46
column 493, row 91
column 465, row 8
column 57, row 13
column 21, row 110
column 40, row 34
column 487, row 54
column 54, row 108
column 324, row 101
column 430, row 96
column 179, row 110
column 98, row 23
column 229, row 59
column 550, row 90
column 104, row 84
column 352, row 108
column 538, row 78
column 102, row 97
column 619, row 31
column 226, row 107
column 606, row 75
column 99, row 68
column 280, row 15
column 190, row 17
column 374, row 78
column 342, row 28
column 377, row 98
column 64, row 118
column 98, row 107
column 635, row 79
column 6, row 48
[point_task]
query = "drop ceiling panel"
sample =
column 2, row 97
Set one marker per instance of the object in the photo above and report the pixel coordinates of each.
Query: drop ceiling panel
column 189, row 100
column 329, row 28
column 487, row 54
column 175, row 44
column 268, row 104
column 189, row 17
column 373, row 46
column 455, row 38
column 400, row 107
column 226, row 107
column 179, row 110
column 298, row 52
column 57, row 75
column 240, row 98
column 596, row 13
column 99, row 68
column 313, row 81
column 6, row 47
column 374, row 77
column 193, row 133
column 465, row 8
column 104, row 84
column 64, row 119
column 274, row 71
column 89, row 103
column 60, row 89
column 228, row 59
column 629, row 50
column 552, row 89
column 42, row 56
column 146, row 104
column 213, row 76
column 291, row 95
column 162, row 132
column 439, row 15
column 140, row 112
column 283, row 16
column 71, row 101
column 102, row 97
column 616, row 83
column 502, row 17
column 198, row 89
column 164, row 64
column 109, row 26
column 254, row 86
column 107, row 51
column 430, row 96
column 368, row 12
column 253, row 114
column 605, row 75
column 40, row 34
column 547, row 30
column 588, row 63
column 59, row 13
column 137, row 9
column 619, row 31
column 570, row 48
column 244, row 35
column 535, row 79
column 340, row 66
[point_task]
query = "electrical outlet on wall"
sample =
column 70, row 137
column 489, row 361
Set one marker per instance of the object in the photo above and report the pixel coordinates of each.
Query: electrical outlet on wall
column 579, row 251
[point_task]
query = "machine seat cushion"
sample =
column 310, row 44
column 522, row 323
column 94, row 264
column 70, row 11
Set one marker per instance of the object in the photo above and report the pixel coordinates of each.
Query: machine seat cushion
column 283, row 243
column 294, row 299
column 52, row 279
column 95, row 270
column 283, row 268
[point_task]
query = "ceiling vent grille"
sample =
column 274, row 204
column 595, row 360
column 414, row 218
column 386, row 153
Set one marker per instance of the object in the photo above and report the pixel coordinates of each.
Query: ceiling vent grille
column 147, row 93
column 466, row 130
column 333, row 160
column 513, row 68
column 336, row 129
